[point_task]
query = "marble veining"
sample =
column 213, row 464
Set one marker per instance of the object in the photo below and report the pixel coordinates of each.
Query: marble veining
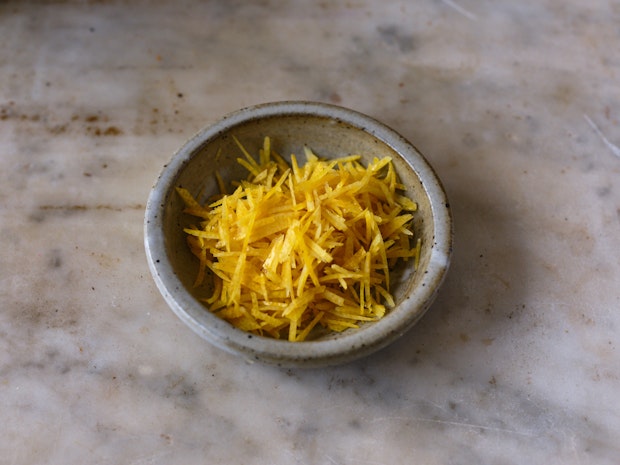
column 515, row 104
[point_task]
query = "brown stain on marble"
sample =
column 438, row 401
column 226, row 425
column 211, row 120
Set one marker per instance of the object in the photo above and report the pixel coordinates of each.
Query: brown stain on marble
column 104, row 260
column 47, row 315
column 107, row 131
column 564, row 94
column 43, row 212
column 95, row 124
column 98, row 124
column 83, row 208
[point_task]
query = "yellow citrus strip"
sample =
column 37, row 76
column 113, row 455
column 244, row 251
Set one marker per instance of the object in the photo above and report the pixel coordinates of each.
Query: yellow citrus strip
column 295, row 250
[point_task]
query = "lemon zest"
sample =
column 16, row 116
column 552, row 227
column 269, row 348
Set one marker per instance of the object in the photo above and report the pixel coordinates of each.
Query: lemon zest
column 295, row 248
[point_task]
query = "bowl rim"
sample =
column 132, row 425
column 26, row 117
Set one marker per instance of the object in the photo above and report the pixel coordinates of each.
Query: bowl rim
column 345, row 346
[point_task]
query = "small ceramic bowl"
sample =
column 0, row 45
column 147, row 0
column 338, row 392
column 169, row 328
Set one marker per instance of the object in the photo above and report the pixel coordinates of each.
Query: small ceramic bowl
column 331, row 132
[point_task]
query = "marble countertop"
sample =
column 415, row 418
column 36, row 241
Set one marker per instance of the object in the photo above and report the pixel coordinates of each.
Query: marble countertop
column 515, row 104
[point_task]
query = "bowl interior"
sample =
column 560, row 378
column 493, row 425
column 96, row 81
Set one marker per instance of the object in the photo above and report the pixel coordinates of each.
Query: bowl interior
column 289, row 133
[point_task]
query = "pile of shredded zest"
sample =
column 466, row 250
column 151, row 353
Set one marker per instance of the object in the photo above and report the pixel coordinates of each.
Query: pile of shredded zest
column 295, row 247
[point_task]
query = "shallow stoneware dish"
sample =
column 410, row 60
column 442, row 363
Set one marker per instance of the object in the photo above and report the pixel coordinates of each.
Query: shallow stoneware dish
column 330, row 131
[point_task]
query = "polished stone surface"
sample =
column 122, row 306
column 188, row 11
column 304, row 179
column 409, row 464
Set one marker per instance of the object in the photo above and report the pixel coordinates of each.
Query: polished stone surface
column 516, row 105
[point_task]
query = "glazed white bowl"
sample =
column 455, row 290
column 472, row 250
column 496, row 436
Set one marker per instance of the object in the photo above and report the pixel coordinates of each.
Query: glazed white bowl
column 331, row 132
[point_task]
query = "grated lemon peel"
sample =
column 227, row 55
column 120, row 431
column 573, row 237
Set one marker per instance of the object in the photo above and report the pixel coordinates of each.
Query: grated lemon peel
column 295, row 248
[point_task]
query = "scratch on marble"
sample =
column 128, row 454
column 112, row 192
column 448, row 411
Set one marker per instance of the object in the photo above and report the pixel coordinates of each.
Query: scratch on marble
column 577, row 452
column 458, row 424
column 468, row 14
column 331, row 460
column 614, row 148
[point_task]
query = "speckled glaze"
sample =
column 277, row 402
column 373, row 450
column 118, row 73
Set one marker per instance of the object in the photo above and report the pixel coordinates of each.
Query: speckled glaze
column 331, row 131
